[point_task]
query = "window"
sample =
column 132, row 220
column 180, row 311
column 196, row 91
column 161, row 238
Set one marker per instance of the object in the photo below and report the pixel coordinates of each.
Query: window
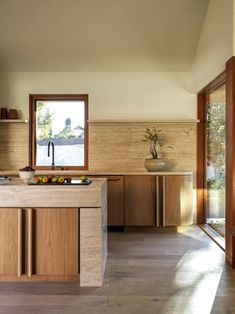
column 62, row 120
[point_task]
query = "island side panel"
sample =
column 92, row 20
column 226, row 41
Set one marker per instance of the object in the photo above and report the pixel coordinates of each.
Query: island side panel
column 93, row 242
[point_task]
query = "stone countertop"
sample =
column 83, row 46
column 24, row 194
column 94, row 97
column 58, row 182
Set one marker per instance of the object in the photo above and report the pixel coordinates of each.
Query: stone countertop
column 20, row 194
column 97, row 173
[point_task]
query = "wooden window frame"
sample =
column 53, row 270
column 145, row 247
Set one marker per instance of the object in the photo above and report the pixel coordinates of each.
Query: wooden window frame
column 33, row 98
column 201, row 146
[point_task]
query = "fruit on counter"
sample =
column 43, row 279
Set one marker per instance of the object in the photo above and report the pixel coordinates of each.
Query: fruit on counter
column 83, row 178
column 61, row 180
column 37, row 179
column 44, row 179
column 68, row 180
column 54, row 179
column 27, row 168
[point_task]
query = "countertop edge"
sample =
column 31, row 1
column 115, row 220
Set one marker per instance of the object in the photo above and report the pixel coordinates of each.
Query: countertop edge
column 97, row 173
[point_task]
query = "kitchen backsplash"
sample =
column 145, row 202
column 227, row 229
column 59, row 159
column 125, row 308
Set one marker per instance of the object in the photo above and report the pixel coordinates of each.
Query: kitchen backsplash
column 112, row 146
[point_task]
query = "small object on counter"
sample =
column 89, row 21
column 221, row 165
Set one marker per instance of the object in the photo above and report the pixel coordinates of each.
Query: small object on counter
column 83, row 178
column 3, row 113
column 61, row 180
column 12, row 114
column 27, row 168
column 5, row 180
column 68, row 180
column 26, row 173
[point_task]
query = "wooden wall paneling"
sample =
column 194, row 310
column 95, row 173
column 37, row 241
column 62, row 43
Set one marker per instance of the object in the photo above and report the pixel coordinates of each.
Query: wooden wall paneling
column 9, row 241
column 230, row 160
column 140, row 200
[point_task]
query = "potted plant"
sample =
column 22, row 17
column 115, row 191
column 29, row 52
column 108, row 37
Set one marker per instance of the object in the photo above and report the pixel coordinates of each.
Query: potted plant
column 155, row 163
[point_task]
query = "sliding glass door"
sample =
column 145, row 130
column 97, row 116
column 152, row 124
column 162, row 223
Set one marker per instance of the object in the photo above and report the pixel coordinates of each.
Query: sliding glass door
column 215, row 159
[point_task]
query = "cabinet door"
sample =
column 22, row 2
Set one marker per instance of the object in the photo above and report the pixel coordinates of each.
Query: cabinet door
column 10, row 241
column 177, row 200
column 115, row 201
column 56, row 241
column 140, row 200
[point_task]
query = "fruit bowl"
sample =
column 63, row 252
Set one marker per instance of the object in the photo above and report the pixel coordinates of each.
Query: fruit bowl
column 26, row 173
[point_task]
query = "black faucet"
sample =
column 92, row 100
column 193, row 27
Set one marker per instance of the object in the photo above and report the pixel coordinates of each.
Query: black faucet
column 50, row 143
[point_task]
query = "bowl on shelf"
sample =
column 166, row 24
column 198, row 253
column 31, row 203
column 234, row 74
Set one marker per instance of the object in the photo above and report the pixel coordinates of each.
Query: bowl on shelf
column 26, row 173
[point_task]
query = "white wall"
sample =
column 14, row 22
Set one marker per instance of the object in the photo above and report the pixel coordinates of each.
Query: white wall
column 215, row 46
column 150, row 95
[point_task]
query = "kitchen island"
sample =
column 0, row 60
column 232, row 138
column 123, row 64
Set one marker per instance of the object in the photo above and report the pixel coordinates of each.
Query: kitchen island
column 53, row 232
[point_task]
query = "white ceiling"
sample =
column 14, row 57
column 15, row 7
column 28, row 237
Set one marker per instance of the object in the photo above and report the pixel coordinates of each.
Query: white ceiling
column 99, row 35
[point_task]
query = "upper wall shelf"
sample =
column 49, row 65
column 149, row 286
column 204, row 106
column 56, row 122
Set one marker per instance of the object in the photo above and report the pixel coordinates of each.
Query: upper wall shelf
column 14, row 121
column 145, row 121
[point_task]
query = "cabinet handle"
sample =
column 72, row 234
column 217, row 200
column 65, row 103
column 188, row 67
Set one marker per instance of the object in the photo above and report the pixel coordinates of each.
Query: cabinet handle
column 19, row 272
column 157, row 195
column 164, row 201
column 113, row 179
column 30, row 242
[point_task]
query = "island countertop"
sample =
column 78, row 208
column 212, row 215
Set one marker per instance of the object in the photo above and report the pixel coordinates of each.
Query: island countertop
column 20, row 194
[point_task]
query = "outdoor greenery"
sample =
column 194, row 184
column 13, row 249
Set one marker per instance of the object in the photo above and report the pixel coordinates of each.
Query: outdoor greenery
column 44, row 120
column 216, row 144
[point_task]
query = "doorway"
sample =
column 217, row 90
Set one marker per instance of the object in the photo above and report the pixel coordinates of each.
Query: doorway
column 211, row 159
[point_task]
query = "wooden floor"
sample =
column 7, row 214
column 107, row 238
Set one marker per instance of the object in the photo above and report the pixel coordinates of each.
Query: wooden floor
column 146, row 273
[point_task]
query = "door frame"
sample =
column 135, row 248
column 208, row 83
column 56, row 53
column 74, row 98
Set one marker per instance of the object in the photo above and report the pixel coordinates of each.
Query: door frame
column 201, row 146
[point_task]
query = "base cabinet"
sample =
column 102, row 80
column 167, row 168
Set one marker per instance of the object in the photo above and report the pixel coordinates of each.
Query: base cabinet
column 40, row 244
column 115, row 200
column 177, row 200
column 55, row 241
column 140, row 201
column 10, row 241
column 149, row 200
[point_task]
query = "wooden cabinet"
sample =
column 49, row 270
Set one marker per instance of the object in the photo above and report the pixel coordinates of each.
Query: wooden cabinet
column 115, row 200
column 10, row 241
column 140, row 200
column 55, row 245
column 177, row 200
column 39, row 242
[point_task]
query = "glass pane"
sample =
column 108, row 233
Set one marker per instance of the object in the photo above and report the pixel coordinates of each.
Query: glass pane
column 63, row 123
column 215, row 172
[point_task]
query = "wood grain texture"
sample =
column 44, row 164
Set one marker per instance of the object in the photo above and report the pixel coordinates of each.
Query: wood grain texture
column 9, row 241
column 20, row 240
column 230, row 160
column 140, row 201
column 14, row 138
column 178, row 200
column 174, row 272
column 29, row 242
column 124, row 150
column 115, row 200
column 56, row 241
